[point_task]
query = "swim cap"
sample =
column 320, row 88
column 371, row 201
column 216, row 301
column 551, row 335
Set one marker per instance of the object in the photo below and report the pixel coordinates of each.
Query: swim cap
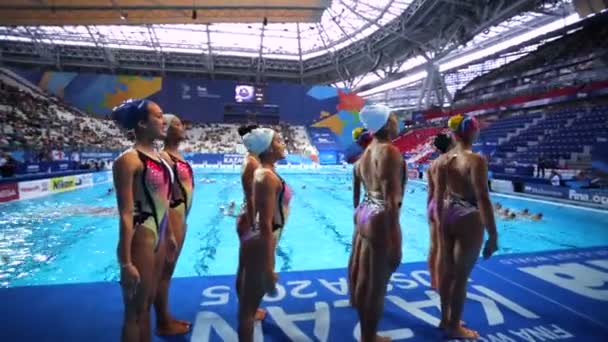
column 463, row 125
column 356, row 132
column 258, row 140
column 130, row 112
column 374, row 117
column 246, row 129
column 168, row 119
column 442, row 142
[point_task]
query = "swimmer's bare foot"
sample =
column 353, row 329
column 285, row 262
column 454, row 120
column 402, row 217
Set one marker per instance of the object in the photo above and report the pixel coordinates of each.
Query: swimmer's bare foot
column 444, row 325
column 260, row 314
column 174, row 327
column 461, row 333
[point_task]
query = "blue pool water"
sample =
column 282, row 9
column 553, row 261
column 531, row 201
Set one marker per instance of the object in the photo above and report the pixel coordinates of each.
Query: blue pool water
column 40, row 244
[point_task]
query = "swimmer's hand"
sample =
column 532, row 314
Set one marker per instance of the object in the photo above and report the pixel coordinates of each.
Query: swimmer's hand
column 129, row 279
column 490, row 247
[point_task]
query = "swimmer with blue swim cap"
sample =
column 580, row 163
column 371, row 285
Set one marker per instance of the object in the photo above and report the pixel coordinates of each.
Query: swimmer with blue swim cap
column 142, row 180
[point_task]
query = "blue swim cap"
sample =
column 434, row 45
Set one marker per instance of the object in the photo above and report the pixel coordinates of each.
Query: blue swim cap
column 130, row 112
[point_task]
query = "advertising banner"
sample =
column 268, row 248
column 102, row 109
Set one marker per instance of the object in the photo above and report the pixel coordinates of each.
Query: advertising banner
column 84, row 180
column 589, row 196
column 327, row 157
column 60, row 184
column 34, row 189
column 101, row 177
column 9, row 192
column 597, row 197
column 545, row 190
column 233, row 159
column 500, row 185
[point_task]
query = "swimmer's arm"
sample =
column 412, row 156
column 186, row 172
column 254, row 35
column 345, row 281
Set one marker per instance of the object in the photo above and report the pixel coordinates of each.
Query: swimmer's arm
column 123, row 170
column 390, row 183
column 479, row 174
column 356, row 187
column 439, row 191
column 265, row 193
column 246, row 181
column 431, row 187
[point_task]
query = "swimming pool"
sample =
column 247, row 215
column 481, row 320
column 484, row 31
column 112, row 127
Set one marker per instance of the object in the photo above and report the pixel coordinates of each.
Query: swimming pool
column 39, row 245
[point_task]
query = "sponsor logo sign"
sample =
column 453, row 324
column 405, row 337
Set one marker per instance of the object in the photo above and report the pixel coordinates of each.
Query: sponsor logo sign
column 33, row 189
column 59, row 184
column 9, row 192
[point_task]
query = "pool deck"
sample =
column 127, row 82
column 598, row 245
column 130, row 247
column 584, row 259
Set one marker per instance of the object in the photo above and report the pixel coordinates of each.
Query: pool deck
column 558, row 295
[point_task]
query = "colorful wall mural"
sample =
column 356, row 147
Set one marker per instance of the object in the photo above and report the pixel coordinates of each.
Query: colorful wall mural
column 200, row 100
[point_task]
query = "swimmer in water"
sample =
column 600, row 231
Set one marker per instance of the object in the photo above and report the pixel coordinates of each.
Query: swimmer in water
column 231, row 210
column 537, row 217
column 525, row 212
column 142, row 180
column 462, row 180
column 182, row 192
column 442, row 143
column 256, row 275
column 376, row 247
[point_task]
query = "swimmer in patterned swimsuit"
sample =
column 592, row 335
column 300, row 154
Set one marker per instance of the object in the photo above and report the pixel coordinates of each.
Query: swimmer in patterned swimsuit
column 181, row 201
column 142, row 180
column 272, row 195
column 442, row 143
column 462, row 209
column 376, row 250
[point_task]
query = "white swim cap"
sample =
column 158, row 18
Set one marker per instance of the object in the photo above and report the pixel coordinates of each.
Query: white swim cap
column 374, row 117
column 258, row 140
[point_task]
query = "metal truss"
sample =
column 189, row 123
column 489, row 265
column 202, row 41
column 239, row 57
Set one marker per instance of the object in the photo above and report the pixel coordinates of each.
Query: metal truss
column 418, row 27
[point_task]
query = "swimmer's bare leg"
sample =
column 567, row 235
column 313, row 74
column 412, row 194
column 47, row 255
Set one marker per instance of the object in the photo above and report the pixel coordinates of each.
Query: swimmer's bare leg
column 467, row 245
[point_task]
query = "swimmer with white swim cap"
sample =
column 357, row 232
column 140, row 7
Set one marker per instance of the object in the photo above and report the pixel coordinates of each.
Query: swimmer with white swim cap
column 256, row 276
column 376, row 251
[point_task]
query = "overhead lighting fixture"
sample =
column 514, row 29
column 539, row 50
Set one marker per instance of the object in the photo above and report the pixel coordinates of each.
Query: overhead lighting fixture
column 124, row 16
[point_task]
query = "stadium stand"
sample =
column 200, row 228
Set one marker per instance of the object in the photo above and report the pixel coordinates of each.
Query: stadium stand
column 577, row 58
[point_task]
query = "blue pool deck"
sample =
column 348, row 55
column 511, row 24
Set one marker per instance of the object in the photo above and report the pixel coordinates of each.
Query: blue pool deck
column 548, row 296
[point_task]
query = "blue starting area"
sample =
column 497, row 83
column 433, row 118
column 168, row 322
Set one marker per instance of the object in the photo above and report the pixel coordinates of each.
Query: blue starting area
column 547, row 296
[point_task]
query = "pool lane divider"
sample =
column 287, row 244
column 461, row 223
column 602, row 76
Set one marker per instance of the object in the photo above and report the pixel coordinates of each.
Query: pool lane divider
column 546, row 296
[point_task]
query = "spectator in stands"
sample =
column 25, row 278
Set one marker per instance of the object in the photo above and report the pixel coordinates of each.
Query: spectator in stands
column 540, row 167
column 181, row 202
column 8, row 165
column 142, row 181
column 271, row 208
column 442, row 143
column 462, row 180
column 376, row 251
column 556, row 178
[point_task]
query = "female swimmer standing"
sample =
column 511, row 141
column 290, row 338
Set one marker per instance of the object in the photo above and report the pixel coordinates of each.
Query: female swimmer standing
column 143, row 189
column 246, row 217
column 442, row 143
column 462, row 180
column 271, row 207
column 250, row 164
column 376, row 251
column 181, row 202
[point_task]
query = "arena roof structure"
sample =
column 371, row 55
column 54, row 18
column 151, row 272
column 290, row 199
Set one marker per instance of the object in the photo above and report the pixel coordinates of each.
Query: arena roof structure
column 319, row 42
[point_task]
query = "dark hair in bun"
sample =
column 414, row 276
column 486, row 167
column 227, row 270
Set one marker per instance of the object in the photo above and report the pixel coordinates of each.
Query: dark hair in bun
column 130, row 112
column 442, row 142
column 246, row 129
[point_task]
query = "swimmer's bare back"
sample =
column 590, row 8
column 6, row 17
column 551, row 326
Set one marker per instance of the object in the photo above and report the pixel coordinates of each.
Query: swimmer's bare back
column 380, row 169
